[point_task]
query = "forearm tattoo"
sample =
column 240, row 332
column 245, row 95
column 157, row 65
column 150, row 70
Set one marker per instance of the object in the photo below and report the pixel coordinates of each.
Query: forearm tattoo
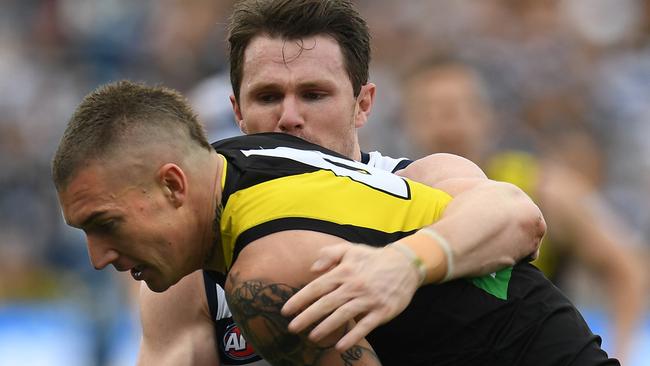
column 354, row 354
column 256, row 305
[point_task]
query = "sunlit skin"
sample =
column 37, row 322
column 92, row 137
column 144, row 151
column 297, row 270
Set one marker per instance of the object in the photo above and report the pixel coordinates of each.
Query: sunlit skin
column 306, row 93
column 137, row 223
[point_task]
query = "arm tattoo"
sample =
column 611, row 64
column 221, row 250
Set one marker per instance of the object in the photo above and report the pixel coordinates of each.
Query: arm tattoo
column 355, row 354
column 256, row 305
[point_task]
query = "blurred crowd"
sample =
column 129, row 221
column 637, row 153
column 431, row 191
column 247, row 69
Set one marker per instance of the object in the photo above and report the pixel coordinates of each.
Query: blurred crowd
column 563, row 81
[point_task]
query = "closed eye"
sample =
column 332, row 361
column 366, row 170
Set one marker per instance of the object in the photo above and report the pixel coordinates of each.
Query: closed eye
column 313, row 95
column 268, row 97
column 104, row 227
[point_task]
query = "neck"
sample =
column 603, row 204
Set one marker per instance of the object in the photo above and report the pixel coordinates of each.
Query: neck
column 356, row 151
column 214, row 259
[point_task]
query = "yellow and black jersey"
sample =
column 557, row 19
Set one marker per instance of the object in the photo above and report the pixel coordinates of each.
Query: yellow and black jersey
column 232, row 347
column 276, row 182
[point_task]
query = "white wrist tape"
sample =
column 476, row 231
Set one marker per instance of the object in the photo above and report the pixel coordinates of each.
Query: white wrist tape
column 415, row 260
column 444, row 244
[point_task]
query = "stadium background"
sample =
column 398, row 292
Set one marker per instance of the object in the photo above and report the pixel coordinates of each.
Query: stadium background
column 554, row 56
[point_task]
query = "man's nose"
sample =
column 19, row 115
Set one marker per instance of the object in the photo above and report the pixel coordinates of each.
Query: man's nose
column 291, row 118
column 101, row 254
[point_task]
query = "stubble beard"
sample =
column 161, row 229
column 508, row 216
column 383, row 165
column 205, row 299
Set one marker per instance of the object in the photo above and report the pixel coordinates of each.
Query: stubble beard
column 344, row 144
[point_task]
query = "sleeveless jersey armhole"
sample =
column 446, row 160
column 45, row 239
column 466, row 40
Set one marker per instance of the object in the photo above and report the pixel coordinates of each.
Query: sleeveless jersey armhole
column 210, row 283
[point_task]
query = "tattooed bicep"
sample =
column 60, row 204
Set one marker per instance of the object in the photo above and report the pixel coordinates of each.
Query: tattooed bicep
column 255, row 306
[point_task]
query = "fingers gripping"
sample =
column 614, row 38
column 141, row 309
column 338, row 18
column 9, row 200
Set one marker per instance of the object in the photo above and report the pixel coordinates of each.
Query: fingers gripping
column 338, row 319
column 361, row 329
column 329, row 257
column 330, row 293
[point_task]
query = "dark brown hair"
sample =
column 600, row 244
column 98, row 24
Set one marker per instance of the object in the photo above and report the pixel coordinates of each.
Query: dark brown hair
column 294, row 20
column 113, row 112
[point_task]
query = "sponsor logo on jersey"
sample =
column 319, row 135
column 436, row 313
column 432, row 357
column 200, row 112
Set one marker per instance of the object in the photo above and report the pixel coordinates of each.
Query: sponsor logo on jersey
column 234, row 344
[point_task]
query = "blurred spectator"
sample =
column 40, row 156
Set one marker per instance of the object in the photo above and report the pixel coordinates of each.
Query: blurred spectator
column 185, row 41
column 54, row 52
column 590, row 56
column 620, row 91
column 211, row 100
column 447, row 110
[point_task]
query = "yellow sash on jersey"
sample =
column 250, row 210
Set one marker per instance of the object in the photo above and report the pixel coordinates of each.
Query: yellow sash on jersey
column 322, row 195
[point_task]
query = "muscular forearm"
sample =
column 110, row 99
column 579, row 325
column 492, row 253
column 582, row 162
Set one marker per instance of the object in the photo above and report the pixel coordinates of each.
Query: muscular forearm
column 488, row 227
column 491, row 226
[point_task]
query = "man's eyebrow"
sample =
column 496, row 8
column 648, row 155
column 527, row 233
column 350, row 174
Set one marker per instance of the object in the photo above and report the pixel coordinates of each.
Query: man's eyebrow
column 262, row 86
column 318, row 83
column 265, row 86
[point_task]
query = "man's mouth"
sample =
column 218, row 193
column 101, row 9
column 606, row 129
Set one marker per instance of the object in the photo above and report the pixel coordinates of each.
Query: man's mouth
column 136, row 273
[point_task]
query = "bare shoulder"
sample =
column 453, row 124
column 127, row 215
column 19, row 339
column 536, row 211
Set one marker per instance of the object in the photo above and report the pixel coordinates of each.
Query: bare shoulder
column 267, row 273
column 173, row 305
column 176, row 325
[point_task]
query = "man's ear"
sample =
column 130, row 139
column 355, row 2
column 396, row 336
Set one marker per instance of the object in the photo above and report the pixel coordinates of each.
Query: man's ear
column 174, row 183
column 365, row 101
column 238, row 116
